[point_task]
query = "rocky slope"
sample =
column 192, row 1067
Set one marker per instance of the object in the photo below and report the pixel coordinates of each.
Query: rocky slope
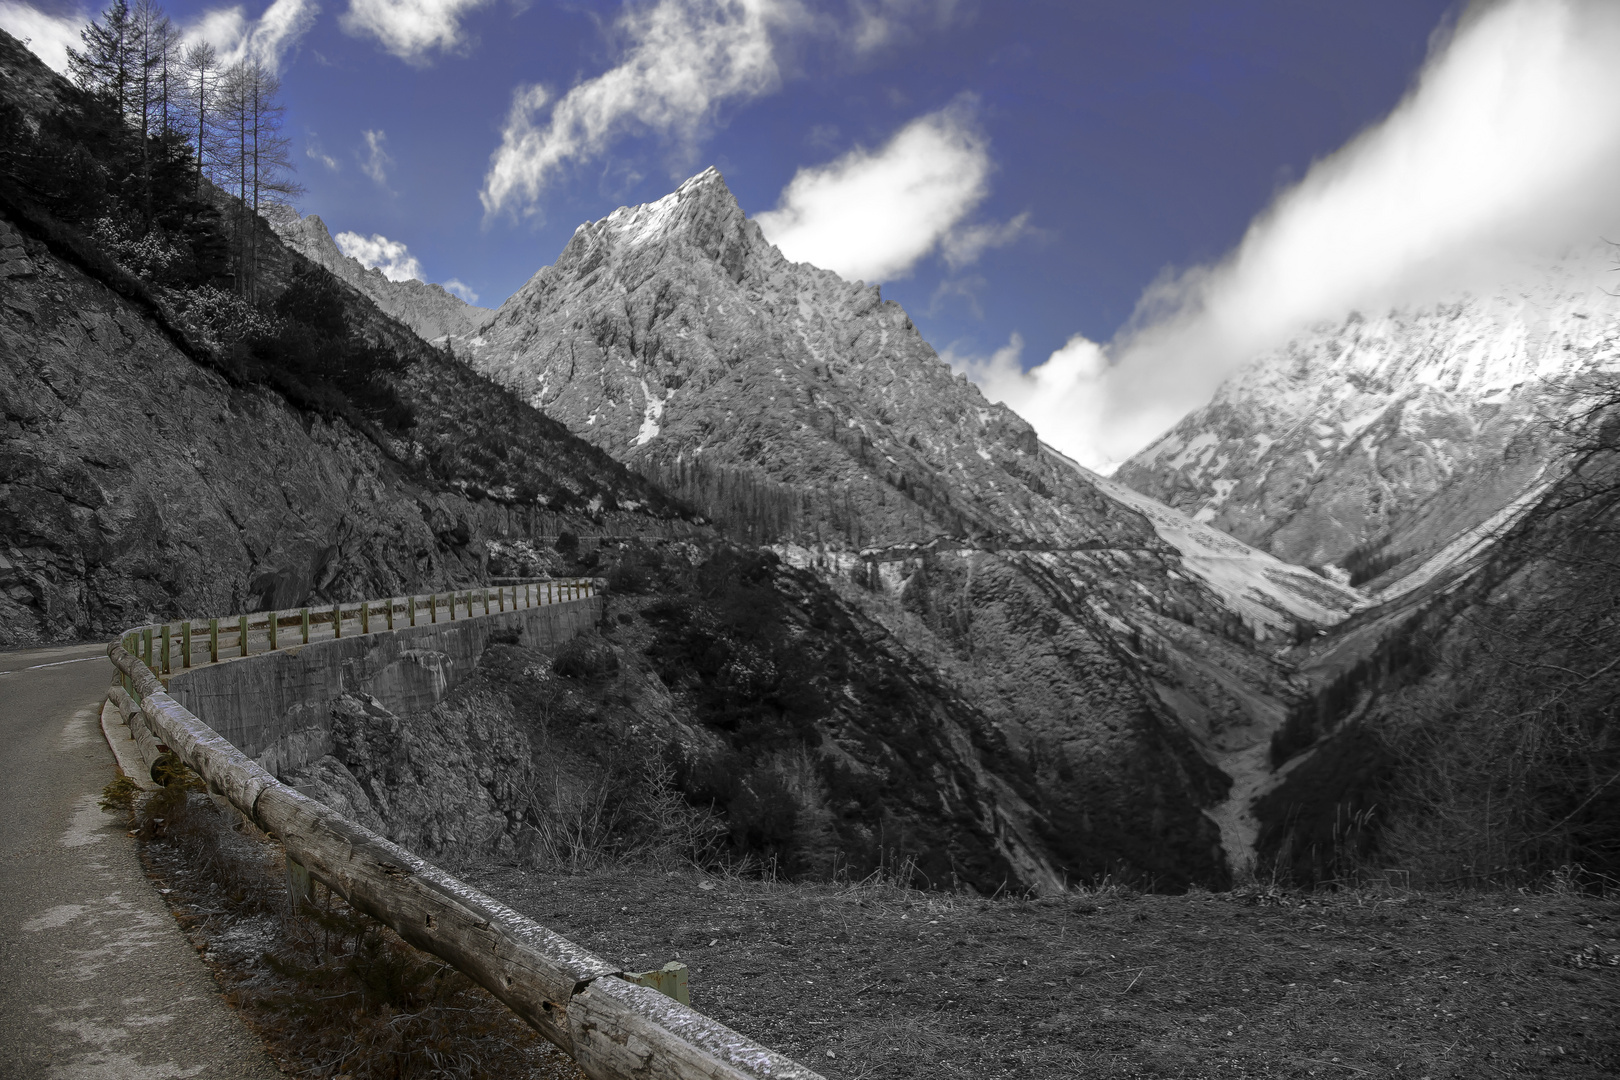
column 1372, row 442
column 1464, row 729
column 147, row 471
column 433, row 314
column 138, row 483
column 801, row 410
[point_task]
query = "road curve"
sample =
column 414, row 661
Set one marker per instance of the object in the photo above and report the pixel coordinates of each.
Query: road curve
column 96, row 980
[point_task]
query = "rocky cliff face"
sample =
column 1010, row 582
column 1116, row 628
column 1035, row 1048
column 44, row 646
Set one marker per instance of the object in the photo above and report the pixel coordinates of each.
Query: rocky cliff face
column 798, row 409
column 1391, row 433
column 139, row 484
column 433, row 314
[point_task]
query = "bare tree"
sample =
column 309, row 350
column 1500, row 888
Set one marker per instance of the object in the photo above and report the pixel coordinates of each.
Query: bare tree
column 254, row 157
column 201, row 75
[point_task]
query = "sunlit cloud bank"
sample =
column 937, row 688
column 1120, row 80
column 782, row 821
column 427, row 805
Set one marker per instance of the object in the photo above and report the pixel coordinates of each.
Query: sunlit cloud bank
column 1506, row 149
column 48, row 36
column 410, row 29
column 380, row 253
column 872, row 215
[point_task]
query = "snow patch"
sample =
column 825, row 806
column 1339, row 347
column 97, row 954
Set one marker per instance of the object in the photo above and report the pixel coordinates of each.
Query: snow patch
column 650, row 416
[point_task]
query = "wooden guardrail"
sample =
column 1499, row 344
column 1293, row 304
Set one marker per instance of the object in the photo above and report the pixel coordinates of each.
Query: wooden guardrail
column 166, row 648
column 612, row 1027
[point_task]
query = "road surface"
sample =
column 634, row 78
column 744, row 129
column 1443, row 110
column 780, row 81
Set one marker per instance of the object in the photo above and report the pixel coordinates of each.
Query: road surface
column 96, row 980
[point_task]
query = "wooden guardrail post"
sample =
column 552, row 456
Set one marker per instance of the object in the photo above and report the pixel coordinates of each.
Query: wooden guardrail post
column 433, row 607
column 410, row 602
column 165, row 648
column 213, row 641
column 337, row 620
column 365, row 616
column 390, row 613
column 241, row 634
column 303, row 618
column 275, row 619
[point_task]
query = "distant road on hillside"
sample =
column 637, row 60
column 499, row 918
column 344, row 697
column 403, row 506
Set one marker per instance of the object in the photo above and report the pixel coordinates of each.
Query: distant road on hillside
column 96, row 980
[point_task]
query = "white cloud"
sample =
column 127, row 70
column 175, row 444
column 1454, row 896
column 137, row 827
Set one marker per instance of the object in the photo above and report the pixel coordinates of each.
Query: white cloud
column 461, row 290
column 376, row 161
column 682, row 60
column 964, row 245
column 873, row 215
column 315, row 152
column 410, row 29
column 49, row 36
column 876, row 24
column 1507, row 148
column 266, row 39
column 380, row 253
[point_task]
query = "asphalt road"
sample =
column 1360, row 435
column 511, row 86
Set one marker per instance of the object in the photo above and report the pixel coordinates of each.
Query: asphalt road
column 96, row 980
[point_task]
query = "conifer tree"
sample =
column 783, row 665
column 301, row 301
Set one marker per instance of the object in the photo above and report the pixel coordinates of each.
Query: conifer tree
column 104, row 66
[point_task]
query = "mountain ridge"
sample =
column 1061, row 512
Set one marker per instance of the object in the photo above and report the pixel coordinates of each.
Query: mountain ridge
column 1382, row 437
column 436, row 315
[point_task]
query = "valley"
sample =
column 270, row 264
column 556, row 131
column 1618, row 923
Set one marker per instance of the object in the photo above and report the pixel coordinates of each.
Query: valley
column 843, row 685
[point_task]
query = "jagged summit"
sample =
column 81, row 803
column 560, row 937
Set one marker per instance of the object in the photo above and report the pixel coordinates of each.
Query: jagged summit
column 700, row 207
column 675, row 330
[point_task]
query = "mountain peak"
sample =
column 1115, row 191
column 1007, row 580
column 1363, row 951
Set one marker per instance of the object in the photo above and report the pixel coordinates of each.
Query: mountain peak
column 703, row 208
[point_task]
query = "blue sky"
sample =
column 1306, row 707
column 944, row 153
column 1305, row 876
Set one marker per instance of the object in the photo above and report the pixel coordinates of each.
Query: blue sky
column 1029, row 170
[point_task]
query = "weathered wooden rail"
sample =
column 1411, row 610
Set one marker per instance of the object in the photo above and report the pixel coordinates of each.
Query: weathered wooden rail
column 170, row 647
column 612, row 1027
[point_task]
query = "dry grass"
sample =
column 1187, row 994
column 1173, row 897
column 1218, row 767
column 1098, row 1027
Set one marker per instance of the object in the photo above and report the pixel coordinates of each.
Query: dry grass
column 869, row 980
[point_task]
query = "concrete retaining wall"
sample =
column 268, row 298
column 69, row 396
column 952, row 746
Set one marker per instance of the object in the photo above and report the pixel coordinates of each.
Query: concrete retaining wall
column 276, row 707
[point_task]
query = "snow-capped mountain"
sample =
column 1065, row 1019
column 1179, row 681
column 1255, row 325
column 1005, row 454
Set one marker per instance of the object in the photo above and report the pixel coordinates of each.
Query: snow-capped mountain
column 1115, row 647
column 675, row 336
column 1374, row 441
column 436, row 316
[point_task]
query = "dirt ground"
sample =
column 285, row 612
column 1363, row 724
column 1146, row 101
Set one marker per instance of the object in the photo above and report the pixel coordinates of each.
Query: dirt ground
column 881, row 982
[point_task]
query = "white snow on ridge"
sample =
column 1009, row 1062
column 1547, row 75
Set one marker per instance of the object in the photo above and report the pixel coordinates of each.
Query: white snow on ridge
column 1268, row 592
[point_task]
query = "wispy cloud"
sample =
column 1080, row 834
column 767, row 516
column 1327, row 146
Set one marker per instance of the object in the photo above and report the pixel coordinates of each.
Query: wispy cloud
column 315, row 152
column 380, row 253
column 873, row 215
column 1506, row 148
column 49, row 36
column 374, row 159
column 410, row 29
column 461, row 290
column 876, row 24
column 682, row 59
column 266, row 39
column 962, row 247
